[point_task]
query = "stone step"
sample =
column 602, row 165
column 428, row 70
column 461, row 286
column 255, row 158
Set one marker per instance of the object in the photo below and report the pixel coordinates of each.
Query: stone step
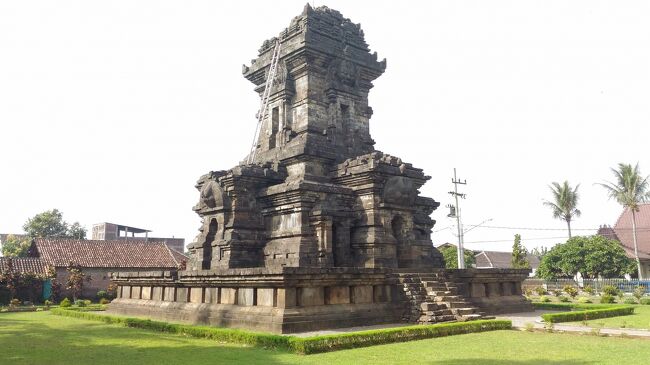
column 470, row 317
column 455, row 305
column 465, row 311
column 429, row 306
column 448, row 298
column 440, row 293
column 440, row 312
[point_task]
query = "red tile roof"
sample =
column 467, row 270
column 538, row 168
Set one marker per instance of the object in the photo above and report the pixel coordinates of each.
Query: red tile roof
column 623, row 230
column 113, row 254
column 24, row 265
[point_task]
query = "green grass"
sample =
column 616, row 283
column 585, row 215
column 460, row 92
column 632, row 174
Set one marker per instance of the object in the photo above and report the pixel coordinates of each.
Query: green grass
column 640, row 320
column 42, row 338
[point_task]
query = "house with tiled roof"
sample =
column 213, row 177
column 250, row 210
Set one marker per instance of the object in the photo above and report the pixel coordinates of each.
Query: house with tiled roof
column 24, row 265
column 622, row 232
column 99, row 258
column 502, row 260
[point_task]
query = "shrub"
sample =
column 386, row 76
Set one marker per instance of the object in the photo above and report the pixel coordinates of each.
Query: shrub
column 639, row 291
column 301, row 345
column 104, row 301
column 584, row 300
column 611, row 290
column 80, row 303
column 47, row 303
column 528, row 292
column 563, row 299
column 540, row 290
column 87, row 302
column 588, row 314
column 14, row 302
column 556, row 292
column 629, row 301
column 588, row 289
column 571, row 290
column 102, row 294
column 607, row 299
column 65, row 303
column 644, row 301
column 544, row 299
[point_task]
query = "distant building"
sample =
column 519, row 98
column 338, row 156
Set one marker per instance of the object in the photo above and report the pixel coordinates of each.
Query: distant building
column 109, row 231
column 622, row 232
column 502, row 260
column 99, row 258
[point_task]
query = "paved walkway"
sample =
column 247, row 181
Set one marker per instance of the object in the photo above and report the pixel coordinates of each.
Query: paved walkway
column 522, row 320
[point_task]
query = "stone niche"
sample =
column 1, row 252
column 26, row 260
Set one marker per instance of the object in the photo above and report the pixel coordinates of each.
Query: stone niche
column 314, row 227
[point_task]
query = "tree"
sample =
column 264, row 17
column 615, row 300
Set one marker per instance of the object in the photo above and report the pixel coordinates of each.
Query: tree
column 565, row 202
column 629, row 189
column 51, row 224
column 10, row 278
column 591, row 256
column 16, row 246
column 519, row 253
column 75, row 281
column 539, row 251
column 450, row 254
column 77, row 231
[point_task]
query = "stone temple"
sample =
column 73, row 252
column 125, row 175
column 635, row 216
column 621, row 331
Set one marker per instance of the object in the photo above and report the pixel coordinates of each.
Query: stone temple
column 316, row 229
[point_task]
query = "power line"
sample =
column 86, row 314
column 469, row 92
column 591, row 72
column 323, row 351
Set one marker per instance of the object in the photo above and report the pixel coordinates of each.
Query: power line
column 524, row 239
column 562, row 229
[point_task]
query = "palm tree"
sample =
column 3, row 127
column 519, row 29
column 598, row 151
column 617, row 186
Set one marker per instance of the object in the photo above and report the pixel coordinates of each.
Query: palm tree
column 565, row 202
column 629, row 190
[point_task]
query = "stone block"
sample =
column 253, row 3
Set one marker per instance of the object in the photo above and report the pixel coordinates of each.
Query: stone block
column 286, row 297
column 145, row 293
column 493, row 289
column 228, row 296
column 311, row 296
column 169, row 293
column 126, row 292
column 381, row 293
column 135, row 292
column 506, row 288
column 246, row 296
column 211, row 295
column 196, row 295
column 266, row 297
column 157, row 293
column 477, row 290
column 337, row 295
column 181, row 295
column 362, row 294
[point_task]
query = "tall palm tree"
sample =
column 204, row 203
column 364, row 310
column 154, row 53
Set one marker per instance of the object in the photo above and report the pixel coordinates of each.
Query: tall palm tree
column 564, row 203
column 629, row 189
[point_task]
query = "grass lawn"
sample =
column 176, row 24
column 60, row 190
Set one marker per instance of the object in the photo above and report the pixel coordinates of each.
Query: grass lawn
column 640, row 319
column 40, row 338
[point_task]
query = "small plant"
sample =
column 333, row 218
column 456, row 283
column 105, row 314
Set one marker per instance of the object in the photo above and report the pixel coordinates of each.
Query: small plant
column 540, row 290
column 544, row 299
column 88, row 302
column 595, row 331
column 528, row 292
column 104, row 301
column 629, row 301
column 571, row 290
column 65, row 303
column 80, row 303
column 47, row 303
column 14, row 302
column 611, row 290
column 588, row 289
column 556, row 292
column 529, row 326
column 639, row 291
column 644, row 301
column 584, row 300
column 563, row 299
column 102, row 294
column 607, row 299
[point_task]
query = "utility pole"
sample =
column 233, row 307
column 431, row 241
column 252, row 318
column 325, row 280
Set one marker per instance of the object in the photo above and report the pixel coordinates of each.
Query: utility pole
column 456, row 213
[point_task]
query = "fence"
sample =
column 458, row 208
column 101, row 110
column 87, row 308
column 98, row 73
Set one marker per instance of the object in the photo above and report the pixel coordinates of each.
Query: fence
column 627, row 286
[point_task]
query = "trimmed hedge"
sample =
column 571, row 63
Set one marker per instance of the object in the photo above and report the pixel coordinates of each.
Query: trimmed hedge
column 582, row 312
column 316, row 344
column 300, row 345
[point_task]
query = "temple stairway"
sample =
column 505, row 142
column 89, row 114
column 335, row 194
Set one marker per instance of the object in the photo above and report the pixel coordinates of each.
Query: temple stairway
column 434, row 298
